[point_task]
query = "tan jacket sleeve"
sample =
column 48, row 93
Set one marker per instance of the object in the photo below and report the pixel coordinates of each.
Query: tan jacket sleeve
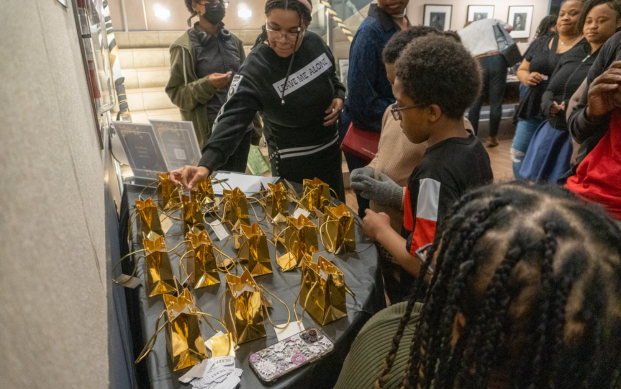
column 186, row 95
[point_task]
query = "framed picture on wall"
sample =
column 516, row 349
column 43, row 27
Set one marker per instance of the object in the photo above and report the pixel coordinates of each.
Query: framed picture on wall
column 438, row 16
column 520, row 18
column 479, row 12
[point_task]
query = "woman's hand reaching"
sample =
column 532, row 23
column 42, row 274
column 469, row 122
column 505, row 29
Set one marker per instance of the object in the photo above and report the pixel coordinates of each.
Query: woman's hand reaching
column 189, row 176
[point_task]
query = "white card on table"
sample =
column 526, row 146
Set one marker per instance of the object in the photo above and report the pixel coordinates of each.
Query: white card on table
column 292, row 329
column 219, row 229
column 299, row 212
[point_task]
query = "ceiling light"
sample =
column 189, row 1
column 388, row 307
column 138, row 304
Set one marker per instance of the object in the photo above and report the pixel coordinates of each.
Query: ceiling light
column 244, row 13
column 161, row 12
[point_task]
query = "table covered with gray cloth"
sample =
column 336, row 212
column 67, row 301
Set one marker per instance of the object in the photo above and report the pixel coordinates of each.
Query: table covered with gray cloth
column 361, row 276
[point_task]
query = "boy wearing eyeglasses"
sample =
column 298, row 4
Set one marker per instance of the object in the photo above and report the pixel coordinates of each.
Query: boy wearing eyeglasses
column 436, row 81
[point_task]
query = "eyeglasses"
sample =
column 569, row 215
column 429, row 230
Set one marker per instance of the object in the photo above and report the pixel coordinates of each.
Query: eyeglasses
column 223, row 2
column 289, row 36
column 395, row 110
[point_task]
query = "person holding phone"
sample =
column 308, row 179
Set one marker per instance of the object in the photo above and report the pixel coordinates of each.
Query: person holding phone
column 290, row 78
column 203, row 62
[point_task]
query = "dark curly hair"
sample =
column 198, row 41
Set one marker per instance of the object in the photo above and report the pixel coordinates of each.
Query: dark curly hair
column 437, row 70
column 536, row 274
column 545, row 25
column 400, row 40
column 587, row 6
column 293, row 5
column 188, row 4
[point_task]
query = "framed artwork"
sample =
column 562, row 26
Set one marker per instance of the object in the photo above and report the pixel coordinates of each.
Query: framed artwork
column 480, row 12
column 520, row 18
column 438, row 16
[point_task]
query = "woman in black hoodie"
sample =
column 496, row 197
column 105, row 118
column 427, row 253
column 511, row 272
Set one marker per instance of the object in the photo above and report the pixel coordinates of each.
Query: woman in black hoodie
column 290, row 78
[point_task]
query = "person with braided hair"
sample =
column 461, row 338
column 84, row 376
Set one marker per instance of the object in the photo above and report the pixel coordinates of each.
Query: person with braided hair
column 525, row 293
column 436, row 80
column 203, row 62
column 289, row 77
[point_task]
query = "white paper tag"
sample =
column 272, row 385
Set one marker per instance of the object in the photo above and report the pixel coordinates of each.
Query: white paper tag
column 219, row 229
column 229, row 383
column 299, row 212
column 292, row 329
column 165, row 222
column 226, row 362
column 197, row 371
column 216, row 375
column 128, row 281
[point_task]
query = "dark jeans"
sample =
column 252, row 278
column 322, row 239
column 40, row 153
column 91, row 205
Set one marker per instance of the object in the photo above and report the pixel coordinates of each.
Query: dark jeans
column 494, row 81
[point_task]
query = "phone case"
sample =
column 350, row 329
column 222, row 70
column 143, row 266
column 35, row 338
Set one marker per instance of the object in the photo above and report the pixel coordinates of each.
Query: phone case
column 290, row 354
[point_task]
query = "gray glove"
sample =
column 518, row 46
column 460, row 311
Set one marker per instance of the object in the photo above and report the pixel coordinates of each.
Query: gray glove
column 358, row 175
column 383, row 191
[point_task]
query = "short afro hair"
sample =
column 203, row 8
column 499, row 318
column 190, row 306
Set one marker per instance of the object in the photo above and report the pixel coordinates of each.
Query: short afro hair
column 400, row 40
column 437, row 70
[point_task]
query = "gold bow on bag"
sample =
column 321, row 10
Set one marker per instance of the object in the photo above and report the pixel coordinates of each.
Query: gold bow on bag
column 316, row 194
column 149, row 218
column 338, row 230
column 192, row 215
column 243, row 312
column 168, row 192
column 235, row 208
column 254, row 253
column 276, row 204
column 203, row 193
column 160, row 278
column 322, row 291
column 184, row 340
column 300, row 241
column 202, row 268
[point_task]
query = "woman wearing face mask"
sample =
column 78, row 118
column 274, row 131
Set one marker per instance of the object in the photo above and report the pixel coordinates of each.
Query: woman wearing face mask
column 289, row 77
column 550, row 150
column 203, row 62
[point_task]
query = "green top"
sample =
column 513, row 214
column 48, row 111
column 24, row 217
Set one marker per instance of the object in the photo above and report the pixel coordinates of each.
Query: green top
column 368, row 353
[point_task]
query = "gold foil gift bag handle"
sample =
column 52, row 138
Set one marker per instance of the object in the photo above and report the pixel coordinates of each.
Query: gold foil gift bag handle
column 338, row 232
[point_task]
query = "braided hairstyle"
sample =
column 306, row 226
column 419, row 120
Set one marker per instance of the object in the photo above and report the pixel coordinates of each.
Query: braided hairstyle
column 545, row 26
column 536, row 274
column 293, row 5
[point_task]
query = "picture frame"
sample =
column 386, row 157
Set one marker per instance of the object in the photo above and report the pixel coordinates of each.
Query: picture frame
column 479, row 12
column 520, row 18
column 438, row 16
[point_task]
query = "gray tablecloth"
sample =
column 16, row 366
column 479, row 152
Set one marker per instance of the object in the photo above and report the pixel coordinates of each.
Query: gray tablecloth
column 361, row 275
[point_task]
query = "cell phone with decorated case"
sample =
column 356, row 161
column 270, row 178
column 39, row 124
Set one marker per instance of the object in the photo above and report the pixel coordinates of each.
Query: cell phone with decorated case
column 290, row 354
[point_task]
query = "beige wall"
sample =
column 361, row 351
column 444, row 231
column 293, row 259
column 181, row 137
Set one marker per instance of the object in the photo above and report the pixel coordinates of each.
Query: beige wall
column 179, row 15
column 460, row 11
column 53, row 324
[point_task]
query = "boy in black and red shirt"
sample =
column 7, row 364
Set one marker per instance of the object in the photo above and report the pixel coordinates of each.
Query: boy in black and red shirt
column 436, row 81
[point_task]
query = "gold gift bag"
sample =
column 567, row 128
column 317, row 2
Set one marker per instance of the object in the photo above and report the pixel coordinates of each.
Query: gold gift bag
column 149, row 218
column 160, row 277
column 203, row 193
column 276, row 204
column 235, row 207
column 243, row 313
column 316, row 194
column 337, row 229
column 168, row 192
column 201, row 270
column 192, row 215
column 184, row 340
column 254, row 253
column 300, row 241
column 322, row 291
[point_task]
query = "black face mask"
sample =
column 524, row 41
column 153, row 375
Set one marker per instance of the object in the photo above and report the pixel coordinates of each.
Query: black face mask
column 214, row 13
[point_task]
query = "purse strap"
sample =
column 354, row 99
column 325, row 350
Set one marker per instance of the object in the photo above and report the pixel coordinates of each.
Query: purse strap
column 552, row 56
